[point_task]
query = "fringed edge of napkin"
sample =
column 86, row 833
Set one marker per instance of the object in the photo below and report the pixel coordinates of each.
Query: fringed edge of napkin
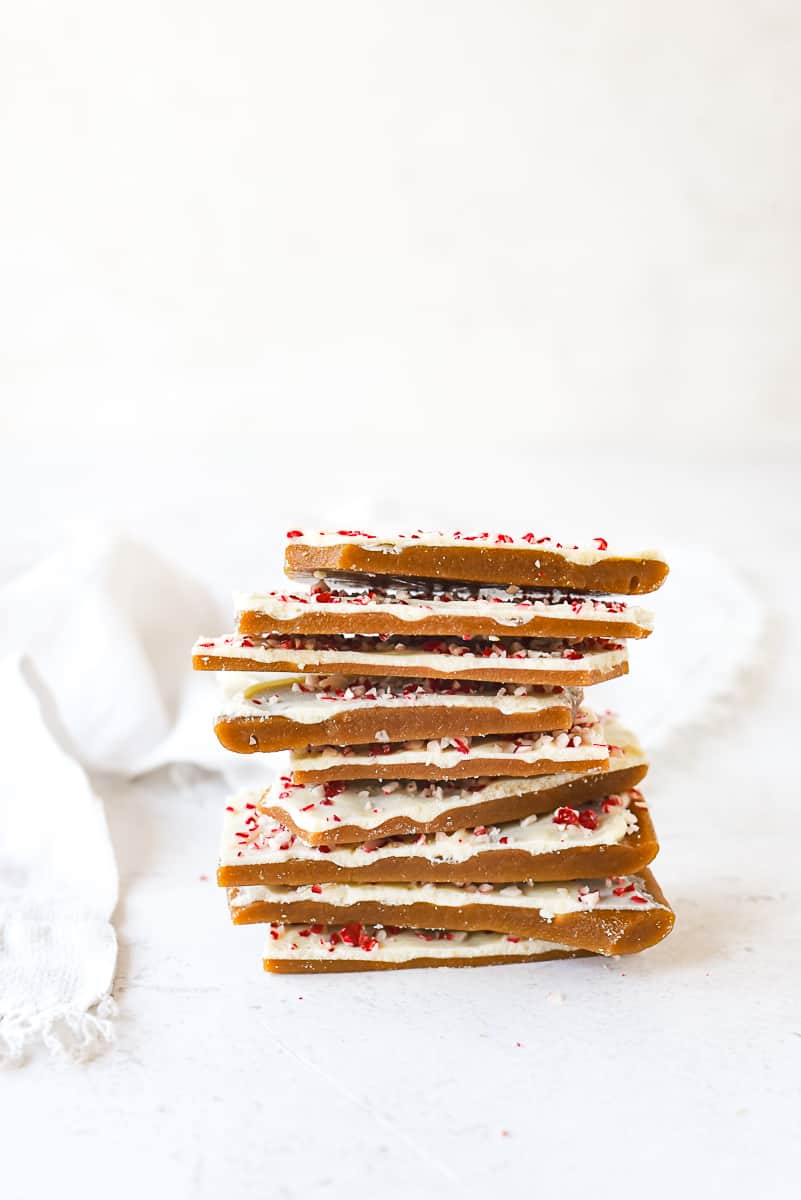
column 68, row 1032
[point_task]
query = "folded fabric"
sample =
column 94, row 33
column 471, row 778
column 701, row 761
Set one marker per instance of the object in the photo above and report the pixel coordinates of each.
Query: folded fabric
column 58, row 885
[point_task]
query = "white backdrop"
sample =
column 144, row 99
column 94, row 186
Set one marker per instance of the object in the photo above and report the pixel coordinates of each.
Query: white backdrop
column 572, row 218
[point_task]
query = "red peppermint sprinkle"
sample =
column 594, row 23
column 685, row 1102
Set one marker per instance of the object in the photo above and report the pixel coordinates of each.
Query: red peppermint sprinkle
column 638, row 900
column 601, row 543
column 351, row 934
column 565, row 816
column 246, row 642
column 461, row 746
column 513, row 939
column 333, row 789
column 588, row 819
column 293, row 533
column 324, row 849
column 307, row 807
column 621, row 891
column 315, row 887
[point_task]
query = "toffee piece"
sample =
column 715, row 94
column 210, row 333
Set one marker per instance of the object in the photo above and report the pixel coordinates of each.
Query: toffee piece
column 318, row 949
column 613, row 835
column 351, row 811
column 526, row 661
column 428, row 610
column 577, row 749
column 619, row 915
column 494, row 558
column 312, row 710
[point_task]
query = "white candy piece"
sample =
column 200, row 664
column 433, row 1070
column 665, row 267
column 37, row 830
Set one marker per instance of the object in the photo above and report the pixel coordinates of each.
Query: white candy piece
column 287, row 942
column 584, row 742
column 507, row 607
column 549, row 900
column 384, row 656
column 395, row 543
column 310, row 699
column 368, row 803
column 251, row 837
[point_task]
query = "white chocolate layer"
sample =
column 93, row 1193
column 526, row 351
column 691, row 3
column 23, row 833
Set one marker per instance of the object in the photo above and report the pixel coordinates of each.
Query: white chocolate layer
column 583, row 741
column 624, row 893
column 395, row 543
column 368, row 803
column 403, row 945
column 508, row 607
column 371, row 654
column 250, row 837
column 310, row 699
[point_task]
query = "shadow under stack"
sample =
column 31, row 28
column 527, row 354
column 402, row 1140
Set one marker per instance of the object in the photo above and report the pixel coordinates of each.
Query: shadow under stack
column 449, row 799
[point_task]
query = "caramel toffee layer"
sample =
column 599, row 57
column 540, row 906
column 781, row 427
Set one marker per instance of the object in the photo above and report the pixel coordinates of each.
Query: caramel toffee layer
column 619, row 915
column 481, row 558
column 426, row 611
column 578, row 749
column 508, row 660
column 318, row 710
column 612, row 835
column 319, row 949
column 342, row 812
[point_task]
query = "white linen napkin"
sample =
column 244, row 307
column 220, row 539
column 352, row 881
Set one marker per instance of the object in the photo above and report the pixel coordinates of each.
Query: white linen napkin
column 58, row 887
column 106, row 627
